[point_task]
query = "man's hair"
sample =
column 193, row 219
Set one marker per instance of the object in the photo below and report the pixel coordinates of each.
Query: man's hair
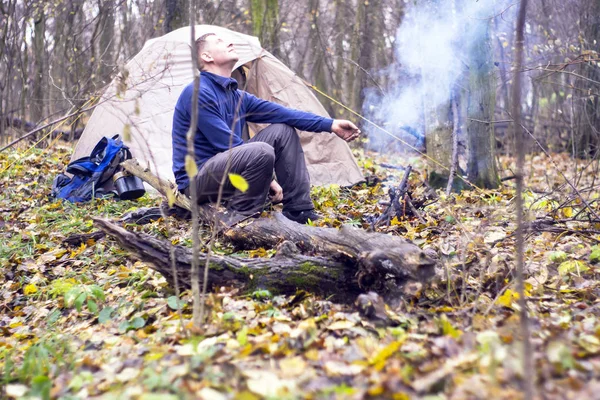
column 200, row 43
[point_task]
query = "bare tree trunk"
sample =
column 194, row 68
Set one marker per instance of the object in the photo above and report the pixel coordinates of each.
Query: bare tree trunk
column 439, row 144
column 528, row 367
column 106, row 45
column 589, row 118
column 6, row 23
column 362, row 51
column 265, row 23
column 438, row 127
column 340, row 32
column 481, row 103
column 176, row 14
column 39, row 86
column 318, row 72
column 502, row 67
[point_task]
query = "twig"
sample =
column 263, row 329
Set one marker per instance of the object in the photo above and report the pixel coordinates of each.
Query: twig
column 491, row 122
column 414, row 209
column 391, row 166
column 562, row 71
column 198, row 305
column 549, row 225
column 528, row 369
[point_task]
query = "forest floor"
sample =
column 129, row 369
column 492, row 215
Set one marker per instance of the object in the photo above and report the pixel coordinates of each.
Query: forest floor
column 88, row 321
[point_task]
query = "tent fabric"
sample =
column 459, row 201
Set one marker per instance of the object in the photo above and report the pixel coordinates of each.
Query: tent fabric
column 139, row 104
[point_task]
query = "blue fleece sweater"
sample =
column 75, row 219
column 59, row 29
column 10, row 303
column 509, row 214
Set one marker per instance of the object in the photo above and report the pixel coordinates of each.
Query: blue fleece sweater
column 223, row 110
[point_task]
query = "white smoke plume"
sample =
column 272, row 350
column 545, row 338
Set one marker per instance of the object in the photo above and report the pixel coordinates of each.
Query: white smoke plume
column 430, row 51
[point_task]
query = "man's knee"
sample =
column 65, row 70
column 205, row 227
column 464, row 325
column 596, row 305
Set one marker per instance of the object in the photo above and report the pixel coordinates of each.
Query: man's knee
column 260, row 153
column 282, row 130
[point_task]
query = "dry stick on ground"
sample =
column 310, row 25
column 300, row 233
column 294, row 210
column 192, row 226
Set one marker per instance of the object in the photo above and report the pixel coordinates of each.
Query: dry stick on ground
column 395, row 195
column 413, row 208
column 528, row 368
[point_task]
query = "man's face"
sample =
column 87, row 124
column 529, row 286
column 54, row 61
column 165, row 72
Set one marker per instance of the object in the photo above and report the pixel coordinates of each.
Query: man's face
column 219, row 51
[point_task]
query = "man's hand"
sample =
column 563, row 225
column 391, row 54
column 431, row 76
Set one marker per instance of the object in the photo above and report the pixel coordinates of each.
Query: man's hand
column 275, row 192
column 345, row 129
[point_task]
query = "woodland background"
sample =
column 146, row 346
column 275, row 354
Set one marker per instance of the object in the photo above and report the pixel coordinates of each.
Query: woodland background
column 56, row 55
column 80, row 318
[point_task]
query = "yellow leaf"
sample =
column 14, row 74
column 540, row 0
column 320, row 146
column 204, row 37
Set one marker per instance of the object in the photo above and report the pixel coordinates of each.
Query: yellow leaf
column 16, row 324
column 448, row 329
column 153, row 357
column 171, row 197
column 376, row 390
column 312, row 355
column 572, row 266
column 127, row 133
column 260, row 252
column 30, row 289
column 238, row 182
column 379, row 359
column 567, row 212
column 190, row 166
column 338, row 325
column 395, row 221
column 507, row 299
column 78, row 251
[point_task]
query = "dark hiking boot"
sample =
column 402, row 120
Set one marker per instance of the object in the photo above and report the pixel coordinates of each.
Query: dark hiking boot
column 302, row 217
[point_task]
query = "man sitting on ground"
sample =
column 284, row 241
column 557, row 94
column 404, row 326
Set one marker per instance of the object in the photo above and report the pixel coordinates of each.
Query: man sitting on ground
column 223, row 110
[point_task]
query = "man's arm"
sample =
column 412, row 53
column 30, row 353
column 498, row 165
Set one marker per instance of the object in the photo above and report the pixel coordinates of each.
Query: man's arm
column 262, row 111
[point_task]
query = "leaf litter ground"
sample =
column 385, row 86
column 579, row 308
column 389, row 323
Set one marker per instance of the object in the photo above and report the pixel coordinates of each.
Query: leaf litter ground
column 87, row 321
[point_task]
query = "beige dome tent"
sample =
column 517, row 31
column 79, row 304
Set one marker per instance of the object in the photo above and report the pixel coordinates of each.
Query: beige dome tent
column 139, row 104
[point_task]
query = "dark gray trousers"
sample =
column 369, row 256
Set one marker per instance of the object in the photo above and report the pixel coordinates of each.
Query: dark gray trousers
column 277, row 148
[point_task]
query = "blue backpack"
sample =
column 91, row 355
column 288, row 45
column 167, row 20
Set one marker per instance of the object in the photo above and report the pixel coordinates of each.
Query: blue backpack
column 90, row 174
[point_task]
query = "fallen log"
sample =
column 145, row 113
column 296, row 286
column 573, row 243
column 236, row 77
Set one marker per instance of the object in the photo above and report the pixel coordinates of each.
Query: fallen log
column 377, row 253
column 285, row 273
column 341, row 262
